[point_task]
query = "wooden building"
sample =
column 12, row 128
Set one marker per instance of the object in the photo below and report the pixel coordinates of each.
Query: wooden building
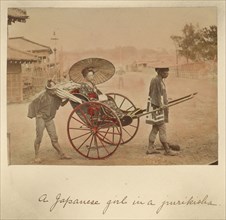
column 15, row 60
column 40, row 72
column 24, row 44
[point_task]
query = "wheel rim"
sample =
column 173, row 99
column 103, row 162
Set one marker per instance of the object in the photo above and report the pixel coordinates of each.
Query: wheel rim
column 94, row 130
column 125, row 104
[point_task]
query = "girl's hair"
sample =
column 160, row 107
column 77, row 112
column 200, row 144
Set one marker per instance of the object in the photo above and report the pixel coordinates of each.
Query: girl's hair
column 86, row 71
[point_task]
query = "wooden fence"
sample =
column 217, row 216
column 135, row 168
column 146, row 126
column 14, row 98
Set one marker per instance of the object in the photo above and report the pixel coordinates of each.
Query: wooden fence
column 198, row 70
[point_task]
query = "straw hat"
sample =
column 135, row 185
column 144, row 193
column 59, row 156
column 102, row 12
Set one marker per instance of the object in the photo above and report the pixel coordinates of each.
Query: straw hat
column 162, row 65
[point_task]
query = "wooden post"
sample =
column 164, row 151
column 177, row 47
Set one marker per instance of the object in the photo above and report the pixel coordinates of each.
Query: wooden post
column 9, row 148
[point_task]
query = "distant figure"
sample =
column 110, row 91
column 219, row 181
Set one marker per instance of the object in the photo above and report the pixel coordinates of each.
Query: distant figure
column 158, row 99
column 44, row 109
column 121, row 72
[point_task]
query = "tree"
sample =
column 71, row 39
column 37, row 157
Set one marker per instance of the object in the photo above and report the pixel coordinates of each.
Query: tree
column 197, row 44
column 187, row 42
column 208, row 43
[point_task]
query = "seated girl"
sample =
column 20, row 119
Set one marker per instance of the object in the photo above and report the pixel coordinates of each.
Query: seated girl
column 89, row 90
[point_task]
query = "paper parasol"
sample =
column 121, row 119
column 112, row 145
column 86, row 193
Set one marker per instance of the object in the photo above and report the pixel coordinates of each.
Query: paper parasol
column 103, row 70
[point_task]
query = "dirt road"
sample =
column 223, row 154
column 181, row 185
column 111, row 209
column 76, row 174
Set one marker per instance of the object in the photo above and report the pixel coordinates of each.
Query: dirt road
column 193, row 125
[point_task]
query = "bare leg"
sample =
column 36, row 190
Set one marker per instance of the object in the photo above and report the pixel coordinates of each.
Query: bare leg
column 37, row 159
column 152, row 137
column 163, row 139
column 40, row 126
column 151, row 149
column 51, row 129
column 60, row 151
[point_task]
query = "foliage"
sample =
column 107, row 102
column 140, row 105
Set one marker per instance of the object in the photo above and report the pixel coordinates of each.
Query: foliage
column 197, row 44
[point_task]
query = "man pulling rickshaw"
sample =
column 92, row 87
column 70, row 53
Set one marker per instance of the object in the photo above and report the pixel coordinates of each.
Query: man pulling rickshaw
column 158, row 99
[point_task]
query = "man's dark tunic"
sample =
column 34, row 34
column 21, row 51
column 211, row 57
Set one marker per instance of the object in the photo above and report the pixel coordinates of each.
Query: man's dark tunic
column 45, row 106
column 158, row 95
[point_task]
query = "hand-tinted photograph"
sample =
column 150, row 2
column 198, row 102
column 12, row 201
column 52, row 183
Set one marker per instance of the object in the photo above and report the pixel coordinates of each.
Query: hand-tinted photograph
column 112, row 86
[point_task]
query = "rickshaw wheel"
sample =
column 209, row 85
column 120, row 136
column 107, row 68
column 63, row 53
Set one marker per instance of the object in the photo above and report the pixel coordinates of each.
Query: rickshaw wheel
column 94, row 130
column 125, row 104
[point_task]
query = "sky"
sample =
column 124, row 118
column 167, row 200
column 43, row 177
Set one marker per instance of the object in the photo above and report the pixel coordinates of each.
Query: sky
column 81, row 29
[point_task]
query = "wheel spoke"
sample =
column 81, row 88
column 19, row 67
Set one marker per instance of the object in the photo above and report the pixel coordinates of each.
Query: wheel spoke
column 82, row 129
column 129, row 108
column 81, row 136
column 79, row 121
column 133, row 126
column 127, row 132
column 122, row 103
column 102, row 144
column 105, row 132
column 90, row 146
column 118, row 130
column 84, row 141
column 113, row 134
column 96, row 144
column 109, row 141
column 108, row 124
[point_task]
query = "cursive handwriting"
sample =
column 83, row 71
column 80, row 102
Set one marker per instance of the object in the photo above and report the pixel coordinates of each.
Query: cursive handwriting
column 190, row 201
column 67, row 201
column 43, row 198
column 62, row 201
column 115, row 202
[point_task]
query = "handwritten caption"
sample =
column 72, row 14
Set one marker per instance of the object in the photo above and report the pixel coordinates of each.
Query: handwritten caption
column 60, row 201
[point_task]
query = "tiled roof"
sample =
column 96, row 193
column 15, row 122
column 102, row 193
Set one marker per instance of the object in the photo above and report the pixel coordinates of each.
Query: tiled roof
column 17, row 14
column 14, row 54
column 24, row 44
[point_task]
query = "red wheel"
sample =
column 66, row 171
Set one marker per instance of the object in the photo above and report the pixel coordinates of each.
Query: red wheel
column 94, row 130
column 122, row 102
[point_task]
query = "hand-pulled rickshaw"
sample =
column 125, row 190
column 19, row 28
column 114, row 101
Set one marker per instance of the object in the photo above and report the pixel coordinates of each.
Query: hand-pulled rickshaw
column 99, row 123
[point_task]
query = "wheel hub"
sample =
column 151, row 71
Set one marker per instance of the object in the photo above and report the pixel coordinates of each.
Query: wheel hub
column 94, row 130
